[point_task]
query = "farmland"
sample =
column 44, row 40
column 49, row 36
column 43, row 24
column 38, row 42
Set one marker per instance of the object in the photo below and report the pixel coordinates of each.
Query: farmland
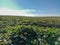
column 16, row 30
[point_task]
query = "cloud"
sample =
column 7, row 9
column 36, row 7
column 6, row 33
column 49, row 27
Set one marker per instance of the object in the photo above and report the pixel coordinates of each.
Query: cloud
column 30, row 10
column 48, row 11
column 49, row 15
column 22, row 12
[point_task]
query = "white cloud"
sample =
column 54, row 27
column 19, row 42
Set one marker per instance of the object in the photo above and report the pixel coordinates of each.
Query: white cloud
column 49, row 15
column 30, row 10
column 24, row 12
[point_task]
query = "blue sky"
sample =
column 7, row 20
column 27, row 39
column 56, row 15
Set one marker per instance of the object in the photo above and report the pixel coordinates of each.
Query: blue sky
column 36, row 7
column 42, row 5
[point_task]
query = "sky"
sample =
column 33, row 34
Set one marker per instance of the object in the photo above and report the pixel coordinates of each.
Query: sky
column 30, row 7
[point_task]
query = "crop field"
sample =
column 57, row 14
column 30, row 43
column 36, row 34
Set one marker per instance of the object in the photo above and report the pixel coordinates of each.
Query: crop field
column 20, row 30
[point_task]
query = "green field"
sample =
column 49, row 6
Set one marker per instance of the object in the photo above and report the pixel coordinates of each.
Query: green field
column 20, row 30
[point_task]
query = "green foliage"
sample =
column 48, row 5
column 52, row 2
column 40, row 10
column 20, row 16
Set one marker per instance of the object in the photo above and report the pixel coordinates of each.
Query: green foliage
column 30, row 30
